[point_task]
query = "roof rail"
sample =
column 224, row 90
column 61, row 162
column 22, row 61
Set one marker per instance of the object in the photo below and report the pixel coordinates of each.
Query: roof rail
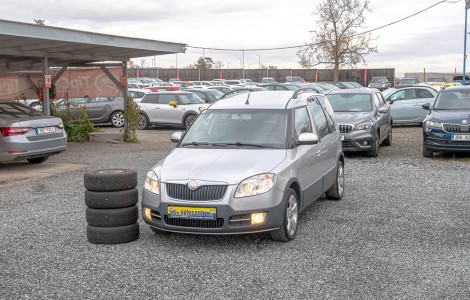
column 301, row 90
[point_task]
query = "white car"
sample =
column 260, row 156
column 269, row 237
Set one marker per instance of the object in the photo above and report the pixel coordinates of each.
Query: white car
column 172, row 108
column 137, row 94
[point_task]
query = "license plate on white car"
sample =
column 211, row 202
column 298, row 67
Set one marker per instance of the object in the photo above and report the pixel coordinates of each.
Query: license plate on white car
column 45, row 130
column 460, row 137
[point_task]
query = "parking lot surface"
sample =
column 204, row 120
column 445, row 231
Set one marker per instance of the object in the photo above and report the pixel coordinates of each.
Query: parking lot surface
column 401, row 232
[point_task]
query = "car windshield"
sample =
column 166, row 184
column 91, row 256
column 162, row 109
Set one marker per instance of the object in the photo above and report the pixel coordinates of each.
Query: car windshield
column 350, row 102
column 379, row 80
column 455, row 100
column 214, row 95
column 191, row 99
column 16, row 110
column 238, row 128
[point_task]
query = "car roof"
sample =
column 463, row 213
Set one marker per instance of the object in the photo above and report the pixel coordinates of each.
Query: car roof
column 362, row 90
column 456, row 89
column 265, row 100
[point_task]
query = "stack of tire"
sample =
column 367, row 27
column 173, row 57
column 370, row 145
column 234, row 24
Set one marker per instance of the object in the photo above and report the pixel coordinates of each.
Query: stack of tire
column 112, row 214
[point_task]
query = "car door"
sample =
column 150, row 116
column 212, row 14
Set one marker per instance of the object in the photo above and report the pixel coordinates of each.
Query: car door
column 404, row 105
column 308, row 159
column 98, row 108
column 383, row 119
column 166, row 113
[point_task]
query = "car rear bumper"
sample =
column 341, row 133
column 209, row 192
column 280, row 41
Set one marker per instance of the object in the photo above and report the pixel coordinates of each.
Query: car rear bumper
column 27, row 149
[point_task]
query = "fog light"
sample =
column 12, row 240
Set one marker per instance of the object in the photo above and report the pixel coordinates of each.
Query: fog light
column 365, row 143
column 258, row 218
column 148, row 213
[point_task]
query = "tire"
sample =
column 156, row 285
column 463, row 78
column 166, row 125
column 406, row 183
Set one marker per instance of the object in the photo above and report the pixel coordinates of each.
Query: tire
column 117, row 119
column 113, row 235
column 374, row 152
column 427, row 152
column 113, row 217
column 337, row 190
column 117, row 199
column 142, row 122
column 189, row 120
column 110, row 180
column 388, row 140
column 290, row 219
column 37, row 160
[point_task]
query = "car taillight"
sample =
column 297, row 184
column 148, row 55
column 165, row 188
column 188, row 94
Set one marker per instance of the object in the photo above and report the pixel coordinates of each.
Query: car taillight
column 9, row 131
column 61, row 125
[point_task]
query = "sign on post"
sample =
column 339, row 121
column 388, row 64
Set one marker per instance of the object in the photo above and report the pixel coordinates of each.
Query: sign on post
column 47, row 81
column 123, row 81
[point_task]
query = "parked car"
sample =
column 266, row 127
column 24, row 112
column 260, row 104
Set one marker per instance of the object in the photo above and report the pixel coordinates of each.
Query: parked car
column 243, row 90
column 27, row 134
column 178, row 108
column 381, row 83
column 364, row 118
column 268, row 80
column 233, row 82
column 201, row 83
column 182, row 84
column 98, row 109
column 248, row 166
column 446, row 127
column 405, row 82
column 295, row 79
column 406, row 103
column 441, row 79
column 159, row 88
column 208, row 95
column 137, row 94
column 343, row 85
column 224, row 88
column 281, row 86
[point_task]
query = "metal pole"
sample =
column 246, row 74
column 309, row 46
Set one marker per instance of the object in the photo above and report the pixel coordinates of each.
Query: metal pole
column 243, row 72
column 46, row 104
column 464, row 82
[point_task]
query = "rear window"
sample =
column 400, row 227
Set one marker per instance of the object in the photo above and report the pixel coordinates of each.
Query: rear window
column 13, row 110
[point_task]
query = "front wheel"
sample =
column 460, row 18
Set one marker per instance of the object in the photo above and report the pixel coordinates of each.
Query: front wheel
column 337, row 190
column 117, row 119
column 388, row 140
column 290, row 219
column 426, row 152
column 374, row 152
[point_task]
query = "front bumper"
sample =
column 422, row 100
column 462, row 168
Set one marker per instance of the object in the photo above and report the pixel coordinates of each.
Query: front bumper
column 438, row 140
column 358, row 141
column 232, row 213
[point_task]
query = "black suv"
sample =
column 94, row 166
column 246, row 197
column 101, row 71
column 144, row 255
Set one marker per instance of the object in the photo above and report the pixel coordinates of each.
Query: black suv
column 381, row 83
column 364, row 118
column 447, row 126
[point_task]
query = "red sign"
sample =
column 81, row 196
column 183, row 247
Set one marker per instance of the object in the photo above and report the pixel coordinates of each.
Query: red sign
column 47, row 81
column 220, row 74
column 123, row 81
column 316, row 76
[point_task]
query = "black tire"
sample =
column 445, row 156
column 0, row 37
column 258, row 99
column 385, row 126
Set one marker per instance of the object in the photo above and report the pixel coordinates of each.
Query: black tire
column 189, row 120
column 37, row 160
column 290, row 218
column 112, row 217
column 337, row 190
column 374, row 152
column 113, row 235
column 110, row 180
column 388, row 140
column 142, row 122
column 117, row 199
column 117, row 119
column 427, row 152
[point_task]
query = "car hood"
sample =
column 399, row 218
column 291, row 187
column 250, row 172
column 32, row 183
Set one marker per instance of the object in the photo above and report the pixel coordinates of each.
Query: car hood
column 222, row 165
column 352, row 117
column 452, row 116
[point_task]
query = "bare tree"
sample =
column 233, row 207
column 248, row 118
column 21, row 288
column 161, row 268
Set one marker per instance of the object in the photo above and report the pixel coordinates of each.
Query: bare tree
column 219, row 64
column 337, row 42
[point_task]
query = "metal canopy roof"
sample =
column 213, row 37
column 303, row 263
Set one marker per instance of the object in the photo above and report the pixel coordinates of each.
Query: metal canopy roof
column 23, row 47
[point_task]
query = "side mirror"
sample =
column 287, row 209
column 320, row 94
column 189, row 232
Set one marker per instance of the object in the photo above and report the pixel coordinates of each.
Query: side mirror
column 172, row 103
column 383, row 109
column 176, row 136
column 426, row 106
column 307, row 138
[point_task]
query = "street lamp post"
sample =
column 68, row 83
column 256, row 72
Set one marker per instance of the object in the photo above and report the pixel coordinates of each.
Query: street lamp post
column 259, row 61
column 464, row 76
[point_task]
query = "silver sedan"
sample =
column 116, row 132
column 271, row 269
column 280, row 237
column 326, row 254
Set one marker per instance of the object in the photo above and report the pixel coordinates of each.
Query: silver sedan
column 26, row 133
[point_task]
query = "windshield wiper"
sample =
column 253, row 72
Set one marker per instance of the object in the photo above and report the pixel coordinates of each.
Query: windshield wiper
column 240, row 144
column 194, row 143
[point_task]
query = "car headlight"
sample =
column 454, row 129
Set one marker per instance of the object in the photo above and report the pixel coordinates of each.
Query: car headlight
column 152, row 184
column 433, row 124
column 363, row 126
column 255, row 185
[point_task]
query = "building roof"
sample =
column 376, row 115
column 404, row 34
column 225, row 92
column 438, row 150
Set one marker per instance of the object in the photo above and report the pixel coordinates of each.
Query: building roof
column 23, row 47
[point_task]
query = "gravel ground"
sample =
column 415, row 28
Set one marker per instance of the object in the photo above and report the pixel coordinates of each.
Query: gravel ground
column 400, row 232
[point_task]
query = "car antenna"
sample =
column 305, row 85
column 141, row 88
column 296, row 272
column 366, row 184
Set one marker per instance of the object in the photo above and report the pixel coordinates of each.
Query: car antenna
column 248, row 98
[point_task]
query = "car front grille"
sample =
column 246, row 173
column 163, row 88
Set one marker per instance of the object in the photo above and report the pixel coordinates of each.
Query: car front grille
column 347, row 144
column 456, row 128
column 205, row 192
column 218, row 223
column 345, row 128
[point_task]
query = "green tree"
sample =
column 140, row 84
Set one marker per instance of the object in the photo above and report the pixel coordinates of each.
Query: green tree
column 337, row 42
column 204, row 63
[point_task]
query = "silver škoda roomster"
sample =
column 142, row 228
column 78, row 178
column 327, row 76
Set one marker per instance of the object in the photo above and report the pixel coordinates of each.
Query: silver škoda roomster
column 249, row 163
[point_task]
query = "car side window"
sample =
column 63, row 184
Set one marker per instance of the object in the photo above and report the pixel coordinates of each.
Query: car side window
column 150, row 98
column 329, row 113
column 424, row 94
column 165, row 99
column 302, row 121
column 319, row 119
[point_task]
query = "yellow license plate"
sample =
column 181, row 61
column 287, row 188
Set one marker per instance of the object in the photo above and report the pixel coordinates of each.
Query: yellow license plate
column 184, row 212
